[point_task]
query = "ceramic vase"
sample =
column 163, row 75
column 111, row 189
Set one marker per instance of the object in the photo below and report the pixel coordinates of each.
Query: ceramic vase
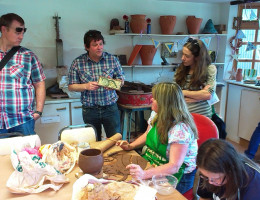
column 167, row 24
column 126, row 26
column 193, row 24
column 147, row 53
column 91, row 161
column 149, row 27
column 138, row 23
column 239, row 75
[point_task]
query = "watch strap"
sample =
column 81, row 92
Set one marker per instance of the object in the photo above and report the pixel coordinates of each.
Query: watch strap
column 38, row 112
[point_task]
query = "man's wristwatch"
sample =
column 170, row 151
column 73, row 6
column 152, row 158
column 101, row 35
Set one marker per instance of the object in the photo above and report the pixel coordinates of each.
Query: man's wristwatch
column 38, row 112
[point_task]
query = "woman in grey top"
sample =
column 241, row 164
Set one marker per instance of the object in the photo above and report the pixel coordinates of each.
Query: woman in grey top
column 197, row 77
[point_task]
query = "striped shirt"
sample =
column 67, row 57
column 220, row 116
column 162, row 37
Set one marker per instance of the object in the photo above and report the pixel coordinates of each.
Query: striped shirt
column 17, row 94
column 202, row 107
column 84, row 70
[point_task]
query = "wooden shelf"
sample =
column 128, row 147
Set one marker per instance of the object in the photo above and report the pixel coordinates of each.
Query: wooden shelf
column 163, row 35
column 159, row 66
column 150, row 66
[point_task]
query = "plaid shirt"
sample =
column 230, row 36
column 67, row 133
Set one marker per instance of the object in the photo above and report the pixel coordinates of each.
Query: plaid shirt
column 84, row 70
column 17, row 93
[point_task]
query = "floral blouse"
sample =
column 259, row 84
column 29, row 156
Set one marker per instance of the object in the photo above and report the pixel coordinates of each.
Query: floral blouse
column 181, row 133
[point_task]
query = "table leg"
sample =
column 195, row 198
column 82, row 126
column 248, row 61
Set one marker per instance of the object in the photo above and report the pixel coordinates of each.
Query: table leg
column 124, row 131
column 129, row 125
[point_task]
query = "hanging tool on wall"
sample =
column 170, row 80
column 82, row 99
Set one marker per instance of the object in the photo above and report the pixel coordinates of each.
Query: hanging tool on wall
column 59, row 44
column 55, row 91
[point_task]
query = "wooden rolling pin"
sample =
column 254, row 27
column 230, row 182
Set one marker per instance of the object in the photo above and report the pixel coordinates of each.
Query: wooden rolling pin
column 106, row 144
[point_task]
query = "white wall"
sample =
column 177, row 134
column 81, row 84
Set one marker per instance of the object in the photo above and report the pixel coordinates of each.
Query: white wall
column 78, row 16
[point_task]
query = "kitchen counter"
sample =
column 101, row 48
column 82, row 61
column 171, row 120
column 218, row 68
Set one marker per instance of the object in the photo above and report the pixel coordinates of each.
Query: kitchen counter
column 253, row 86
column 50, row 100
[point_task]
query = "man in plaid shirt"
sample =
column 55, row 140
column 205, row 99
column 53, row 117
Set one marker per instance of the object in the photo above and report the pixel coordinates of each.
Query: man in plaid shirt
column 21, row 80
column 99, row 103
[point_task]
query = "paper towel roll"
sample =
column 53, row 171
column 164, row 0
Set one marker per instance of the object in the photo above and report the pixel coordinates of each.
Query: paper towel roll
column 106, row 144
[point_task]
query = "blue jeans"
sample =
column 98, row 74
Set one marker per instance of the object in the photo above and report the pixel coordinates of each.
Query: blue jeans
column 108, row 116
column 254, row 143
column 186, row 182
column 26, row 129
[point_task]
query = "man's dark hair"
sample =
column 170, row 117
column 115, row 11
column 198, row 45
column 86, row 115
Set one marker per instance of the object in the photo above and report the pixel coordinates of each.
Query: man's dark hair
column 7, row 19
column 92, row 35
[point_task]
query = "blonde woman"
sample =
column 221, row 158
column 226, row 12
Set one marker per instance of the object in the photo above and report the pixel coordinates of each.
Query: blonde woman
column 170, row 141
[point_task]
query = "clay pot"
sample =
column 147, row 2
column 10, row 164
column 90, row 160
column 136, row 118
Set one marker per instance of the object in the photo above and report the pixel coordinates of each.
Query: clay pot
column 193, row 24
column 239, row 76
column 91, row 161
column 138, row 24
column 147, row 53
column 167, row 24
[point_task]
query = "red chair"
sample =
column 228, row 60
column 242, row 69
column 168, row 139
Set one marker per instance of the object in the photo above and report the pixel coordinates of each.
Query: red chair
column 206, row 130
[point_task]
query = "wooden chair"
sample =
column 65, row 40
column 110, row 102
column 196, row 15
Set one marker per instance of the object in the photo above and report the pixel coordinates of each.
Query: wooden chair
column 206, row 130
column 76, row 134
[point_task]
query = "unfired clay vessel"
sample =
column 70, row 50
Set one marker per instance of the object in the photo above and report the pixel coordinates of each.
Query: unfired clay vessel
column 167, row 24
column 138, row 24
column 239, row 76
column 91, row 161
column 147, row 53
column 193, row 24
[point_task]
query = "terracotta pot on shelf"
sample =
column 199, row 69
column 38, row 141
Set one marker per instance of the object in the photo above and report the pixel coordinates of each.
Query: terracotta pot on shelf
column 167, row 24
column 147, row 53
column 193, row 24
column 239, row 76
column 138, row 23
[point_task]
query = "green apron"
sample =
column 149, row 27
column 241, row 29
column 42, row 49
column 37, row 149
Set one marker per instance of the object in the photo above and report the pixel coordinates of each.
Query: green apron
column 155, row 152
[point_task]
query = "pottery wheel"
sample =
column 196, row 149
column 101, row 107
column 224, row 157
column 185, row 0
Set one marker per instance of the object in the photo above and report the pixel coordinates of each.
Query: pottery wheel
column 115, row 166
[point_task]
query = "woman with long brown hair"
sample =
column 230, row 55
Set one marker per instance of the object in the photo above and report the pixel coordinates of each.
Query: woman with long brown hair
column 225, row 173
column 197, row 77
column 170, row 141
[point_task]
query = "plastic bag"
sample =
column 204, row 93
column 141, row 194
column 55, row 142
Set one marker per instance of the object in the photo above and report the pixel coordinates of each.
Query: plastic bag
column 31, row 175
column 61, row 155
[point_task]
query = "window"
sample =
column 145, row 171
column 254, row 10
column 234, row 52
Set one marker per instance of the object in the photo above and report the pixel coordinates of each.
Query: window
column 249, row 14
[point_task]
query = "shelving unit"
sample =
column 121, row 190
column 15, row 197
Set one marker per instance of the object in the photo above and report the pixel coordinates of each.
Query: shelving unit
column 163, row 35
column 217, row 44
column 151, row 66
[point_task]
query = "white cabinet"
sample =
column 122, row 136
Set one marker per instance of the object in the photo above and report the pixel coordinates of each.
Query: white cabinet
column 54, row 118
column 76, row 113
column 57, row 114
column 249, row 113
column 242, row 111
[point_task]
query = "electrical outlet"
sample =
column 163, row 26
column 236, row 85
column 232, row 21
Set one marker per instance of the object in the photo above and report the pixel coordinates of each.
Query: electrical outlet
column 165, row 53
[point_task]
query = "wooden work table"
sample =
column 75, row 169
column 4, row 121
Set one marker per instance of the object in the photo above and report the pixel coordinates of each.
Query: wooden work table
column 65, row 192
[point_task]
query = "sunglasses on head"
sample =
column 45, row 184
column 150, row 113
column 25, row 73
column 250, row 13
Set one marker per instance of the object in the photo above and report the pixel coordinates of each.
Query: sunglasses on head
column 193, row 42
column 19, row 29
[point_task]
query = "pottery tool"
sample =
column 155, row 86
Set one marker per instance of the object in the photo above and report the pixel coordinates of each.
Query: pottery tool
column 106, row 144
column 59, row 44
column 111, row 139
